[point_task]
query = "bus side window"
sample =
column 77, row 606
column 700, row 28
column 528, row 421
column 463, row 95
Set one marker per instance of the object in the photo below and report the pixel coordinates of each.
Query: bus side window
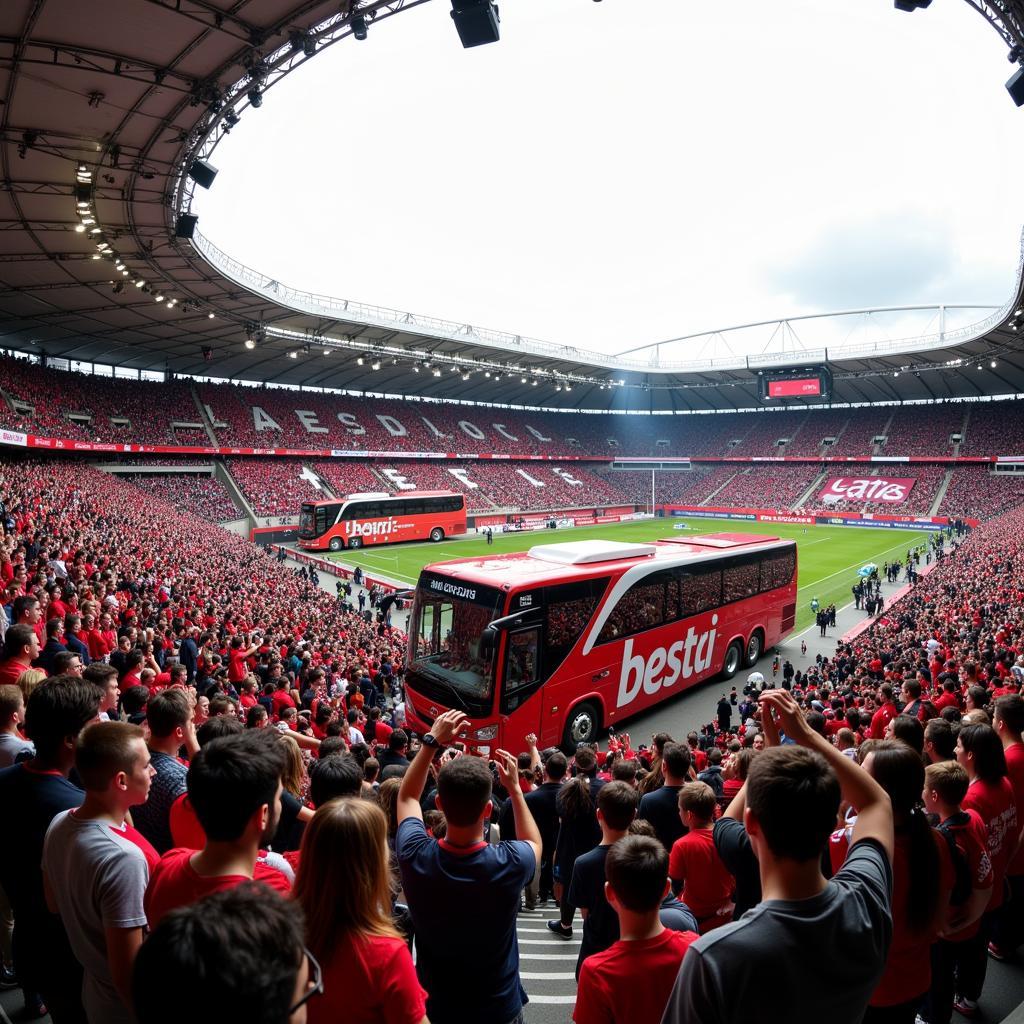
column 740, row 579
column 700, row 591
column 568, row 609
column 777, row 570
column 642, row 607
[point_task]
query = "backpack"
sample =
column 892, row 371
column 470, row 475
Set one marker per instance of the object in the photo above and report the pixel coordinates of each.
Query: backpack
column 962, row 886
column 713, row 778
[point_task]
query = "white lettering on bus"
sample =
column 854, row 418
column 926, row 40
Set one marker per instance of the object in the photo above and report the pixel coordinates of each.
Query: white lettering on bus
column 454, row 589
column 308, row 419
column 372, row 528
column 537, row 434
column 262, row 420
column 392, row 426
column 500, row 428
column 463, row 476
column 351, row 424
column 401, row 482
column 472, row 429
column 696, row 650
column 529, row 479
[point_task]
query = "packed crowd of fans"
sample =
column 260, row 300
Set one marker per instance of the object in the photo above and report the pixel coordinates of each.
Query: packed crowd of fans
column 350, row 423
column 274, row 487
column 201, row 496
column 768, row 486
column 684, row 487
column 224, row 802
column 978, row 492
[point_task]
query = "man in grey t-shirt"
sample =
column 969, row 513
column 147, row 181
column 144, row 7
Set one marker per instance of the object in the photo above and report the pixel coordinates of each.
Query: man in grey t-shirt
column 96, row 868
column 814, row 949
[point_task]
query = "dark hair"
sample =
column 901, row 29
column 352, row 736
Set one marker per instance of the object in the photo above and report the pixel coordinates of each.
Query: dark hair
column 134, row 699
column 574, row 799
column 463, row 788
column 617, row 802
column 816, row 721
column 637, row 870
column 983, row 742
column 166, row 711
column 910, row 731
column 58, row 709
column 334, row 776
column 398, row 739
column 16, row 639
column 99, row 673
column 218, row 727
column 978, row 696
column 63, row 660
column 231, row 778
column 586, row 760
column 794, row 795
column 556, row 766
column 623, row 771
column 237, row 952
column 676, row 758
column 255, row 715
column 1010, row 711
column 898, row 769
column 939, row 733
column 22, row 604
column 332, row 745
column 220, row 704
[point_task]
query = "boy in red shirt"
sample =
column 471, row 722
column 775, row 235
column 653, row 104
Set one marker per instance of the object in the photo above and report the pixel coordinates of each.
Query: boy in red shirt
column 695, row 866
column 234, row 785
column 608, row 992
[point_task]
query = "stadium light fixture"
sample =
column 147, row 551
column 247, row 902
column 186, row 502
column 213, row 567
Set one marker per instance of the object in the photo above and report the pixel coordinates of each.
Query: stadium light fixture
column 250, row 344
column 359, row 361
column 465, row 376
column 476, row 21
column 210, row 316
column 437, row 373
column 375, row 366
column 911, row 5
column 80, row 229
column 293, row 354
column 358, row 24
column 992, row 364
column 139, row 283
column 522, row 380
column 255, row 97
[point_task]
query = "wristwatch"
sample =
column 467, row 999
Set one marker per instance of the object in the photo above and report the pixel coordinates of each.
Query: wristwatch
column 430, row 740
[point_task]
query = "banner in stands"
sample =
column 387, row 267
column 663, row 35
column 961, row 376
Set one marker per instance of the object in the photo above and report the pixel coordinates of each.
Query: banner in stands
column 767, row 515
column 891, row 490
column 14, row 438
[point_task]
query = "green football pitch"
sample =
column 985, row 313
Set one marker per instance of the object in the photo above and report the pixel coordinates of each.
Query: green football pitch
column 828, row 556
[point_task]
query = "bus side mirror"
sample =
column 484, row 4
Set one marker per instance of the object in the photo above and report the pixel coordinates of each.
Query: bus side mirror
column 488, row 641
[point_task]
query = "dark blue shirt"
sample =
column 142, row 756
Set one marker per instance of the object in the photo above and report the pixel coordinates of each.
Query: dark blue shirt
column 463, row 905
column 661, row 809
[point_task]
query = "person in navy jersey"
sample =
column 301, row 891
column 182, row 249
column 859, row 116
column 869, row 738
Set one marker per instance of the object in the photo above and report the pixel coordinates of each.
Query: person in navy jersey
column 661, row 807
column 463, row 894
column 32, row 794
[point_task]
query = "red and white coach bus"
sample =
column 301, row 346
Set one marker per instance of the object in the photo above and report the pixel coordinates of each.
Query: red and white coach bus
column 381, row 518
column 566, row 639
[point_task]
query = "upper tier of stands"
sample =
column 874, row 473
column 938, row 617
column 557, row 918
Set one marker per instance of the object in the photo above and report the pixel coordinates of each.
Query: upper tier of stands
column 38, row 400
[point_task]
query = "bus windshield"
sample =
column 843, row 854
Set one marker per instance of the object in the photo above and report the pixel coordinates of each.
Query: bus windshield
column 448, row 618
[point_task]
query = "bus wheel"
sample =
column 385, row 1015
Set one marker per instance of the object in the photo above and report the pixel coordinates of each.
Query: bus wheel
column 355, row 542
column 335, row 544
column 755, row 648
column 582, row 726
column 733, row 657
column 436, row 534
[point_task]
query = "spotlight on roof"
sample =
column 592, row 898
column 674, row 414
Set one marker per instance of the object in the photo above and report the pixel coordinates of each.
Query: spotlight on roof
column 202, row 173
column 293, row 354
column 358, row 24
column 255, row 97
column 476, row 21
column 309, row 46
column 230, row 120
column 375, row 365
column 1015, row 87
column 992, row 364
column 250, row 344
column 911, row 5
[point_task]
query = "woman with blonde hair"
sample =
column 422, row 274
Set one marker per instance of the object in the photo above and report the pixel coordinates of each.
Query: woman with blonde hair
column 29, row 680
column 344, row 888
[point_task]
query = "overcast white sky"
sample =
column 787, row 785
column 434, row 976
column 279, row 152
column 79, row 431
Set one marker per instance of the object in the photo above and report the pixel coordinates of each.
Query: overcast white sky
column 619, row 173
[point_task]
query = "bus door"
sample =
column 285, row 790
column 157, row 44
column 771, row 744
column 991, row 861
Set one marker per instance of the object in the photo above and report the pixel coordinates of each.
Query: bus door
column 521, row 677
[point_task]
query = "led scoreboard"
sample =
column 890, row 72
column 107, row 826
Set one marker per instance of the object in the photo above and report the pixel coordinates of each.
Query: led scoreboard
column 807, row 382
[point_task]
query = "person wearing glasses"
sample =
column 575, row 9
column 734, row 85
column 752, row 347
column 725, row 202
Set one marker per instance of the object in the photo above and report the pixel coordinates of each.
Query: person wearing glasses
column 368, row 972
column 238, row 953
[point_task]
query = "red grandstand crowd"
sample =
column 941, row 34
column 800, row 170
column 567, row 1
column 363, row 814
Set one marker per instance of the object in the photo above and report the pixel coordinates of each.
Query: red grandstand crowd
column 215, row 746
column 107, row 409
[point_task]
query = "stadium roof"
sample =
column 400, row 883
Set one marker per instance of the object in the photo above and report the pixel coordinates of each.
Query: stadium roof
column 103, row 106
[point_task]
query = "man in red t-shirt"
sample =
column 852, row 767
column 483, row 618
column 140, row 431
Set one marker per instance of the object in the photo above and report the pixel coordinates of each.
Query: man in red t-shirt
column 1008, row 721
column 234, row 787
column 886, row 712
column 608, row 992
column 21, row 648
column 699, row 877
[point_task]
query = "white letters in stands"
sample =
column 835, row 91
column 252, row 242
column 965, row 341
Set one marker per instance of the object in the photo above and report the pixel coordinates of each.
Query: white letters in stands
column 398, row 480
column 472, row 429
column 262, row 420
column 463, row 476
column 537, row 434
column 309, row 421
column 529, row 479
column 392, row 426
column 432, row 428
column 566, row 476
column 351, row 424
column 500, row 428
